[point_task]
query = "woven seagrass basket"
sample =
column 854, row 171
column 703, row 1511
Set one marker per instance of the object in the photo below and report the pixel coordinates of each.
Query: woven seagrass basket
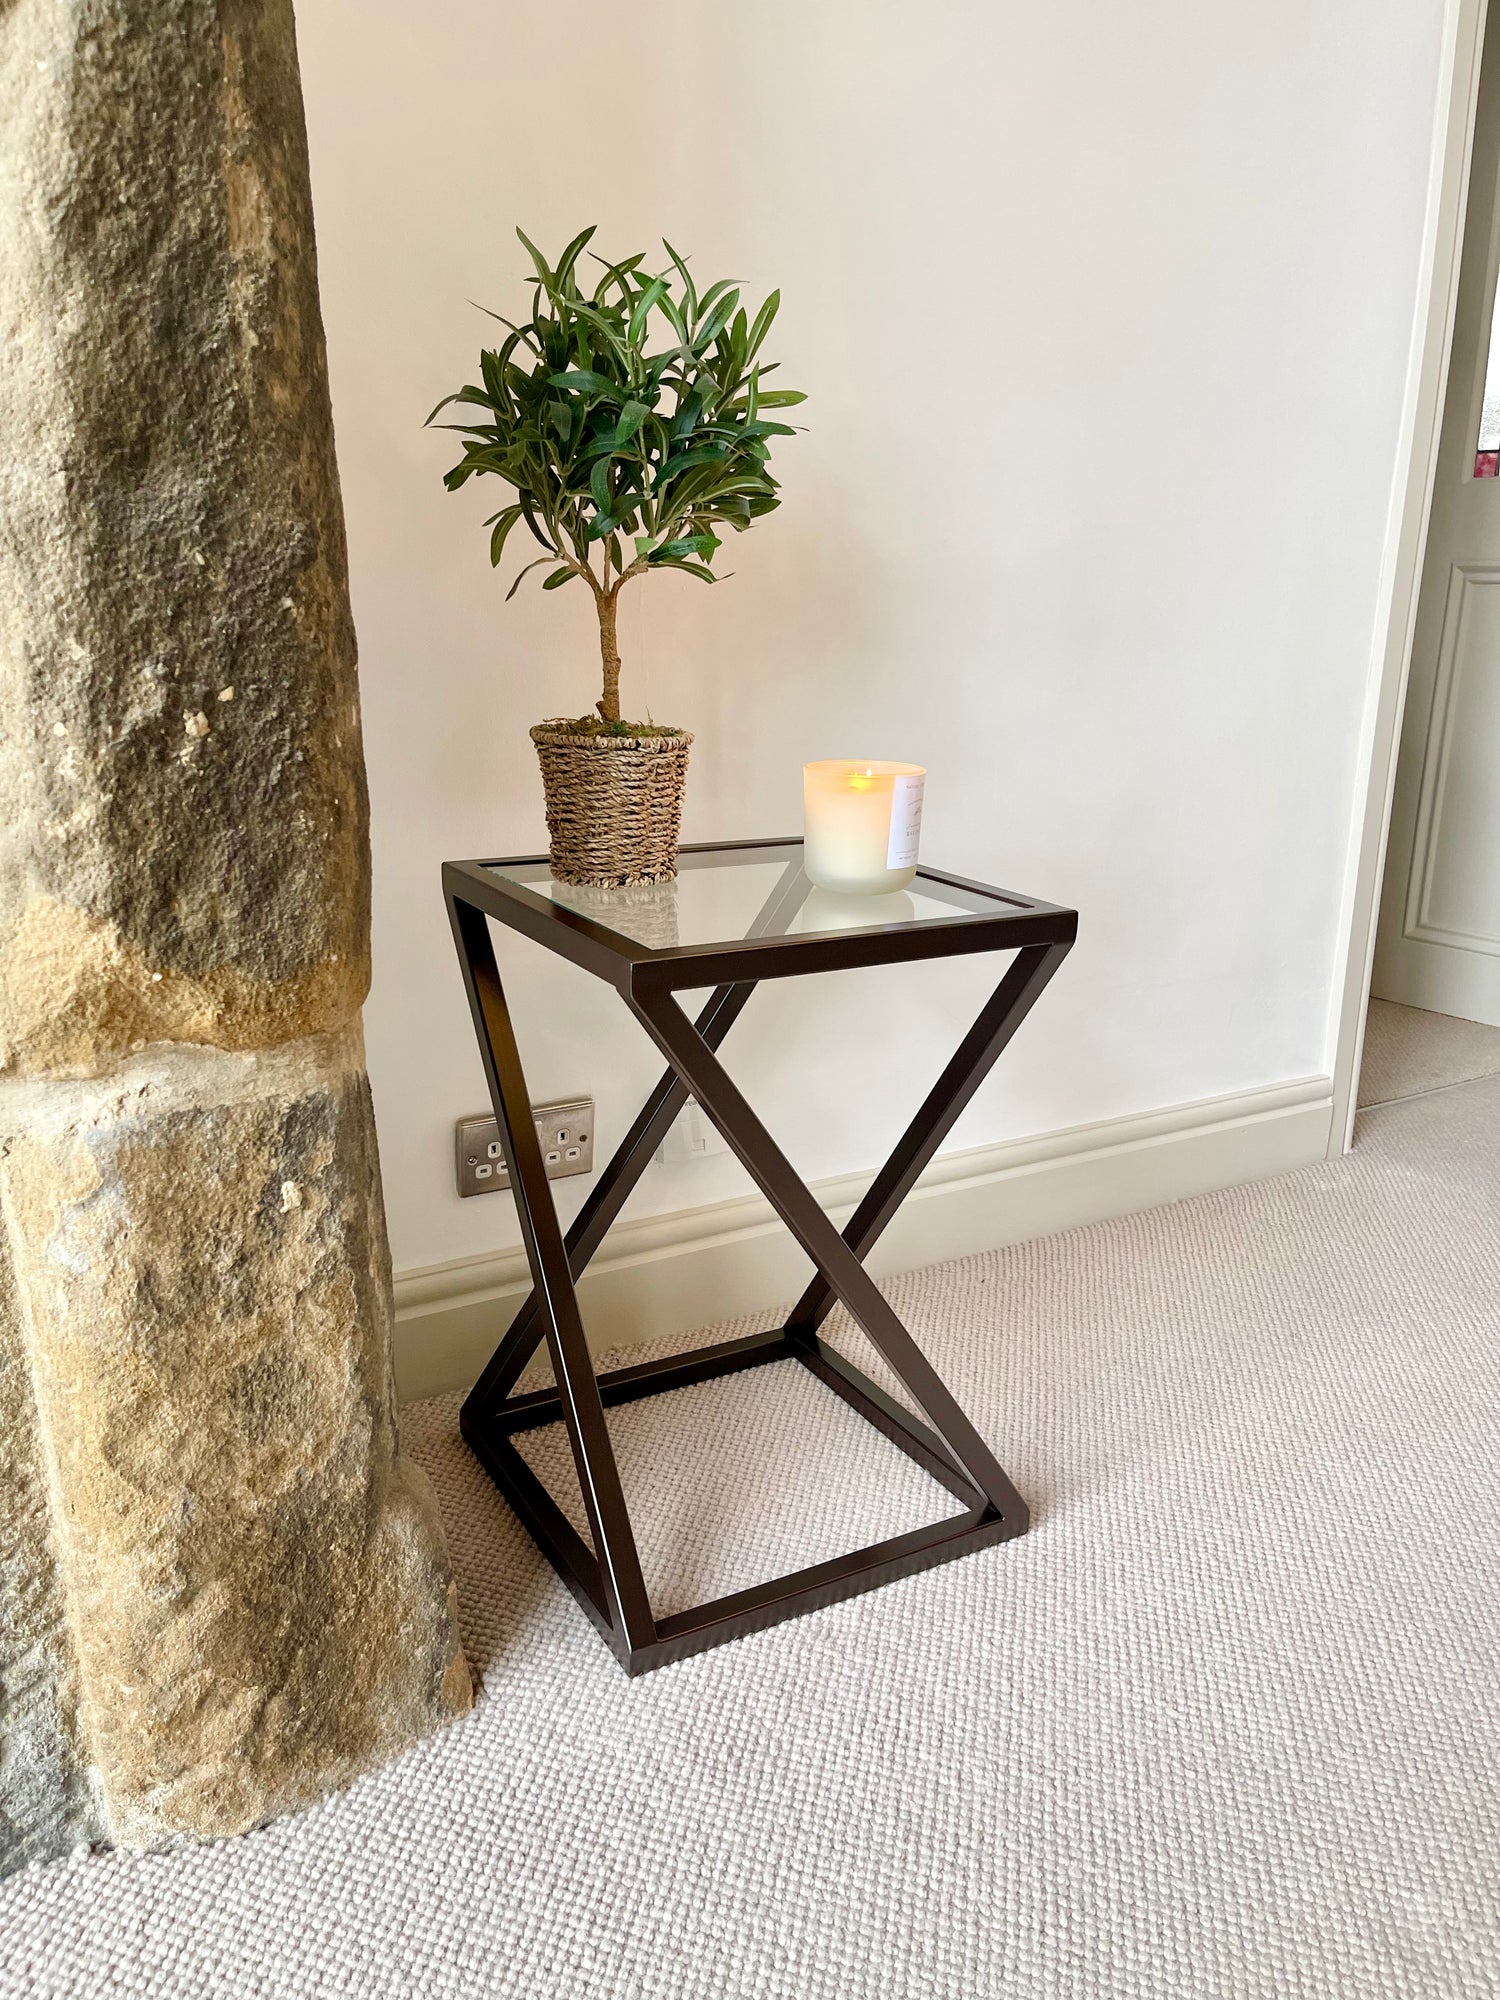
column 614, row 803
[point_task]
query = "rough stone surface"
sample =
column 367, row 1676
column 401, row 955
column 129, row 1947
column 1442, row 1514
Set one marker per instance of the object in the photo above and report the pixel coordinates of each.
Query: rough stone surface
column 47, row 1803
column 222, row 1589
column 183, row 844
column 259, row 1596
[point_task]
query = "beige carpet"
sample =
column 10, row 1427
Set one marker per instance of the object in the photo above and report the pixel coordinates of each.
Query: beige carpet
column 1409, row 1050
column 1222, row 1727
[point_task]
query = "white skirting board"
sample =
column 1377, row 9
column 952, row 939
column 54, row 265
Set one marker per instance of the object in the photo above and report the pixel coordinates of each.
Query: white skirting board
column 674, row 1273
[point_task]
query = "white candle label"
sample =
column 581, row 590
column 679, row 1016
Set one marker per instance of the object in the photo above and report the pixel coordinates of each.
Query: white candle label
column 906, row 822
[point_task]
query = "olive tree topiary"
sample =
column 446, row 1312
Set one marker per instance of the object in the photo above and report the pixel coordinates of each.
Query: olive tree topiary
column 610, row 441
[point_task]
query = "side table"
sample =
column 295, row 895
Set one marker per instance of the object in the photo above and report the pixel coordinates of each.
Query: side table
column 737, row 913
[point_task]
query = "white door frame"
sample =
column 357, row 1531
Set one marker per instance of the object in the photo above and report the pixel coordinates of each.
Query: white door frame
column 1406, row 536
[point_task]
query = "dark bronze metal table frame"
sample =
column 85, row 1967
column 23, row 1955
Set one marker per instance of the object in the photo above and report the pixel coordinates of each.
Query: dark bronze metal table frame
column 609, row 1584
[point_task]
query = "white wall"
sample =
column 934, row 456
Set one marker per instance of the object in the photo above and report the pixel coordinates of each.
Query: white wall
column 1103, row 312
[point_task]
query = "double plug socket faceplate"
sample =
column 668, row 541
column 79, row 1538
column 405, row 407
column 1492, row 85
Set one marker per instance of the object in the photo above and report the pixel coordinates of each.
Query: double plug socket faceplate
column 564, row 1130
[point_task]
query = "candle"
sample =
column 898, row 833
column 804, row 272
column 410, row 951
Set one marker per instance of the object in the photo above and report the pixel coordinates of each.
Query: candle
column 860, row 825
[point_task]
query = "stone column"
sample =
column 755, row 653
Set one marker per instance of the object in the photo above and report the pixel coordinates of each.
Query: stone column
column 224, row 1589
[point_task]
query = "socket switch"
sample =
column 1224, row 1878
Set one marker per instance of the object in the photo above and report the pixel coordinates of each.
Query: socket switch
column 565, row 1132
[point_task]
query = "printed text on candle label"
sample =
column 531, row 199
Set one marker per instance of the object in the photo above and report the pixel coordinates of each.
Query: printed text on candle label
column 906, row 822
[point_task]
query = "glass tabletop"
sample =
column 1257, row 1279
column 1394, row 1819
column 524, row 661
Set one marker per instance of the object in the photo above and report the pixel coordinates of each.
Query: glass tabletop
column 723, row 895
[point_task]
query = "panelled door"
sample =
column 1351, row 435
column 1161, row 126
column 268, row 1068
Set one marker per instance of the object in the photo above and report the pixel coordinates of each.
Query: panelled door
column 1438, row 944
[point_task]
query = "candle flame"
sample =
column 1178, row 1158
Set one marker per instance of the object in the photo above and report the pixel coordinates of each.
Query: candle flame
column 861, row 781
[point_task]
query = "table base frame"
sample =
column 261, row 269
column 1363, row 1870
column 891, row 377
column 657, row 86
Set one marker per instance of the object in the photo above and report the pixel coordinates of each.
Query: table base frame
column 606, row 1578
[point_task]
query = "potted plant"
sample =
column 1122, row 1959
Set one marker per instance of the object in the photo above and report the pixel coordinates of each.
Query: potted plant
column 632, row 423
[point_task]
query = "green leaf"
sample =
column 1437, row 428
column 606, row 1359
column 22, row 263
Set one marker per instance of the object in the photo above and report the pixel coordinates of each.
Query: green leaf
column 643, row 305
column 713, row 326
column 717, row 291
column 673, row 313
column 761, row 325
column 631, row 419
column 558, row 576
column 744, row 484
column 529, row 516
column 504, row 521
column 584, row 382
column 551, row 556
column 570, row 256
column 537, row 258
column 689, row 292
column 467, row 394
column 701, row 454
column 692, row 568
column 688, row 545
column 781, row 399
column 503, row 355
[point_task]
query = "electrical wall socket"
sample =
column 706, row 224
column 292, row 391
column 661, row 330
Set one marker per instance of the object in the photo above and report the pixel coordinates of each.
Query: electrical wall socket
column 565, row 1131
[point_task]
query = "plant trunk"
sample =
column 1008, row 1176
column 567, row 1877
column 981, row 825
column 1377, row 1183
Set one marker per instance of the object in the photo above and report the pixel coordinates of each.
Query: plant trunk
column 609, row 706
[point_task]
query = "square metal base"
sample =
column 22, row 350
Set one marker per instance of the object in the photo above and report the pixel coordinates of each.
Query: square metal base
column 724, row 1618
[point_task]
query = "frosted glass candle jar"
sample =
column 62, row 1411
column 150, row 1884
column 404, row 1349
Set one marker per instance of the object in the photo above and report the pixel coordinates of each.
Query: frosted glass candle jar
column 861, row 822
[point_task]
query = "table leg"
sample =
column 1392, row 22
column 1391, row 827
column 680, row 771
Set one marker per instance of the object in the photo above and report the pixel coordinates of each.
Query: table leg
column 624, row 1604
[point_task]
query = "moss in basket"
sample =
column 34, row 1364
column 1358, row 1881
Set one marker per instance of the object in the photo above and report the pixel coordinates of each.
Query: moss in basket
column 607, row 438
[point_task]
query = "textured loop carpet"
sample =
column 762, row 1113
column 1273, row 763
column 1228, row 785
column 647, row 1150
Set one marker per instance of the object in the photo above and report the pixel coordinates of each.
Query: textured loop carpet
column 1222, row 1727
